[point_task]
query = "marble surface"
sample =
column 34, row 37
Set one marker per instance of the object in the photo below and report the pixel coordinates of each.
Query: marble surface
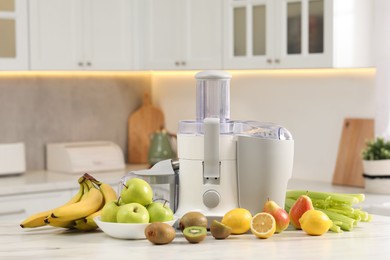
column 46, row 181
column 367, row 240
column 43, row 181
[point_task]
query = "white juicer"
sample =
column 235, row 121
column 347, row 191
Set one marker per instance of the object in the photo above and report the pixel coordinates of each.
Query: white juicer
column 225, row 164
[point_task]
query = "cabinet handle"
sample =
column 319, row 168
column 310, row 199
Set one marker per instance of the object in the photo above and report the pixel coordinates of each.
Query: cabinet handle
column 269, row 61
column 80, row 64
column 183, row 63
column 89, row 63
column 277, row 61
column 13, row 212
column 177, row 63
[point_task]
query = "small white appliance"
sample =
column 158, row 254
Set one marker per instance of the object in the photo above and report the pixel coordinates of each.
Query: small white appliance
column 225, row 164
column 12, row 158
column 79, row 157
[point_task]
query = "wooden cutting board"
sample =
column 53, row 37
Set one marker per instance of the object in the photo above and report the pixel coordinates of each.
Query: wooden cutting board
column 349, row 165
column 142, row 123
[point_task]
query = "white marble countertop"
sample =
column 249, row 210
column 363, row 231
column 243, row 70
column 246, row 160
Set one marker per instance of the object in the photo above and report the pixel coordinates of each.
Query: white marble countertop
column 367, row 240
column 43, row 181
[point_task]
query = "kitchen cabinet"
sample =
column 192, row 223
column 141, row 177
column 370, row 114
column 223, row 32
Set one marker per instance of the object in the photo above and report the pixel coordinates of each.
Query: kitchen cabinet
column 297, row 34
column 181, row 34
column 81, row 34
column 13, row 35
column 19, row 207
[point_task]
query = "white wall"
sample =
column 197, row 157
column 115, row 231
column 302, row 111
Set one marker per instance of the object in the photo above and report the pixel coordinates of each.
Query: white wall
column 310, row 103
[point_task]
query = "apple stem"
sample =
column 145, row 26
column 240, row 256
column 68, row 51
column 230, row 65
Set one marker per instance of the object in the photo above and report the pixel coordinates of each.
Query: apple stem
column 117, row 202
column 125, row 186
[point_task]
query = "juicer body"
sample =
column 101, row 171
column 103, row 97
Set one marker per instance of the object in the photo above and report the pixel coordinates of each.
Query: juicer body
column 252, row 170
column 213, row 197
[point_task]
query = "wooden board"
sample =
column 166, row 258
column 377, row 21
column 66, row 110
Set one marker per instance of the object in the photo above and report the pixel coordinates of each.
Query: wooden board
column 349, row 165
column 142, row 123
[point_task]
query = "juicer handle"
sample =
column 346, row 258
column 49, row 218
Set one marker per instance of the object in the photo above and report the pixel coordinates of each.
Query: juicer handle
column 211, row 163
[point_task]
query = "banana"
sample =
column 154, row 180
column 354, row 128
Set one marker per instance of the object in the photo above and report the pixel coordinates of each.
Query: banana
column 38, row 219
column 82, row 225
column 109, row 194
column 58, row 223
column 89, row 203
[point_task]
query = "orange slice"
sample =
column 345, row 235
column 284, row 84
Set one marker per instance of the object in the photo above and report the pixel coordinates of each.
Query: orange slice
column 263, row 225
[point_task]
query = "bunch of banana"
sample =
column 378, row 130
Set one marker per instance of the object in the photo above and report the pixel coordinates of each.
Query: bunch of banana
column 80, row 210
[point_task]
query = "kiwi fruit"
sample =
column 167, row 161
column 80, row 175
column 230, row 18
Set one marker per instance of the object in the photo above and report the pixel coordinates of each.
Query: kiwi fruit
column 193, row 218
column 160, row 233
column 195, row 234
column 219, row 230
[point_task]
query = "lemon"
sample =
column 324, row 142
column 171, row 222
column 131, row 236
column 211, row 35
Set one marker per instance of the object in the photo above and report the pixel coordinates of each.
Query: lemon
column 263, row 225
column 315, row 222
column 238, row 219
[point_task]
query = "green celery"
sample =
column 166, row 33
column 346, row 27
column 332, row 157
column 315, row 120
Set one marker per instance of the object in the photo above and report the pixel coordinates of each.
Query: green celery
column 349, row 199
column 346, row 223
column 336, row 227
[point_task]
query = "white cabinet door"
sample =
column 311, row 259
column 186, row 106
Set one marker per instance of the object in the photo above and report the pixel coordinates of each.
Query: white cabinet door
column 19, row 207
column 202, row 37
column 162, row 35
column 108, row 32
column 56, row 34
column 80, row 34
column 303, row 38
column 249, row 31
column 181, row 34
column 13, row 35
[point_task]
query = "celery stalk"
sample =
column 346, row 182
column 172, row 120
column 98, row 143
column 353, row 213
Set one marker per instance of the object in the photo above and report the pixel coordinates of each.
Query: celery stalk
column 345, row 198
column 336, row 227
column 346, row 224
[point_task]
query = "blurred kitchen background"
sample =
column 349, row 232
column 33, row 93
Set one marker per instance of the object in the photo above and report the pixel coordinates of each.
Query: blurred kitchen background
column 75, row 70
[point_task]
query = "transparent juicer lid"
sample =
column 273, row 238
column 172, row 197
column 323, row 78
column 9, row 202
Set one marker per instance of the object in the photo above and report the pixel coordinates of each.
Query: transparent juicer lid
column 213, row 101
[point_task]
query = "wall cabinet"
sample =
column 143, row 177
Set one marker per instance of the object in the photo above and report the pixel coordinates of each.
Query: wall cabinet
column 181, row 34
column 19, row 207
column 81, row 34
column 297, row 34
column 13, row 35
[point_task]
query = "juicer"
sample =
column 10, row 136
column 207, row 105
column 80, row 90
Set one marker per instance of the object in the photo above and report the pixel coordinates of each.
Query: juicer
column 226, row 164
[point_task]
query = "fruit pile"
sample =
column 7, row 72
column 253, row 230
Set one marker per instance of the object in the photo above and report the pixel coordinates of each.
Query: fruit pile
column 136, row 205
column 237, row 221
column 80, row 210
column 336, row 210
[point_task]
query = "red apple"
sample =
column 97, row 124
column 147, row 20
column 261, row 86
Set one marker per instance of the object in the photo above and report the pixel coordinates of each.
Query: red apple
column 281, row 217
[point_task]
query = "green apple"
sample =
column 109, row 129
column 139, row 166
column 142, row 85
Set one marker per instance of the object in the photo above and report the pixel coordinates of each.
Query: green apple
column 137, row 190
column 159, row 212
column 109, row 211
column 132, row 213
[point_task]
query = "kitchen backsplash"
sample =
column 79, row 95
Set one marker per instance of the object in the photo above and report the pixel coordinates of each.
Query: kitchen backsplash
column 39, row 109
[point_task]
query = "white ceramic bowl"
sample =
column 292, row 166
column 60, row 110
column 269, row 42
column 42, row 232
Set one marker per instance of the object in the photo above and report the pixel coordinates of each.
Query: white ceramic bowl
column 125, row 230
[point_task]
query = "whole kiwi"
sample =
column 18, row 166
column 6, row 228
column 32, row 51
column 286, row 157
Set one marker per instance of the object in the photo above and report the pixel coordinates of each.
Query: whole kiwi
column 195, row 234
column 193, row 218
column 219, row 230
column 160, row 233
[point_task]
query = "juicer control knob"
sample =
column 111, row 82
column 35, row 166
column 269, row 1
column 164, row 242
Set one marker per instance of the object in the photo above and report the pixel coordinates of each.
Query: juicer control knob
column 211, row 198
